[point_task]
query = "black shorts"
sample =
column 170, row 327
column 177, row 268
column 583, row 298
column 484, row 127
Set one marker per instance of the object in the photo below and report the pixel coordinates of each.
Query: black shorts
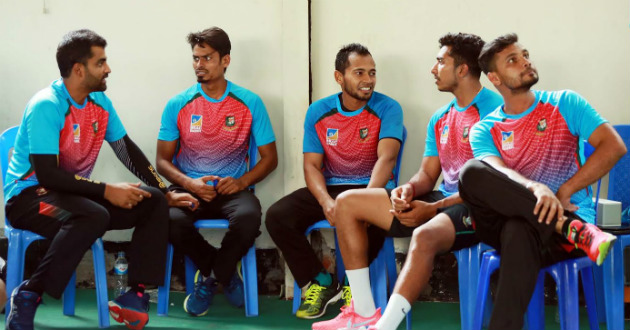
column 458, row 213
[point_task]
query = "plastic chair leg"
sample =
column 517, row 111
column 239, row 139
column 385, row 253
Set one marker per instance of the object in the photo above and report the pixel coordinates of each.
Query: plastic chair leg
column 378, row 281
column 613, row 287
column 68, row 296
column 566, row 276
column 535, row 316
column 164, row 290
column 489, row 264
column 297, row 297
column 100, row 274
column 340, row 268
column 468, row 275
column 15, row 265
column 250, row 279
column 191, row 269
column 598, row 274
column 390, row 263
column 588, row 287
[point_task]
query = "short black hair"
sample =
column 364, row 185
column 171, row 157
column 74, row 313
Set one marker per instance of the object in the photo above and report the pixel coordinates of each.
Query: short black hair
column 486, row 58
column 214, row 37
column 465, row 48
column 76, row 47
column 342, row 62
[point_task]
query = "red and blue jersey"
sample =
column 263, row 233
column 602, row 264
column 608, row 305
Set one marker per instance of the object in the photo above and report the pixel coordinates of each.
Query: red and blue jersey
column 54, row 124
column 349, row 139
column 544, row 142
column 214, row 134
column 448, row 133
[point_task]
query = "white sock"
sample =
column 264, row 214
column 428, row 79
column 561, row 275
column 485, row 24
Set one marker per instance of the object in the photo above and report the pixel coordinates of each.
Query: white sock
column 397, row 309
column 359, row 280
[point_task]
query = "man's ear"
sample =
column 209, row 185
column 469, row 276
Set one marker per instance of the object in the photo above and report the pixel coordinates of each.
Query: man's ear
column 462, row 70
column 78, row 69
column 225, row 60
column 494, row 78
column 338, row 77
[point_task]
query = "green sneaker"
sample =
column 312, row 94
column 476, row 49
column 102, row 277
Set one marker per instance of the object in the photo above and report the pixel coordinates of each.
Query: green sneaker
column 317, row 299
column 346, row 295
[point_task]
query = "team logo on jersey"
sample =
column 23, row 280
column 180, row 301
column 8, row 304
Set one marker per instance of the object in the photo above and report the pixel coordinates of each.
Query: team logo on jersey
column 76, row 132
column 444, row 135
column 195, row 123
column 542, row 126
column 465, row 134
column 507, row 140
column 95, row 127
column 230, row 123
column 332, row 135
column 363, row 133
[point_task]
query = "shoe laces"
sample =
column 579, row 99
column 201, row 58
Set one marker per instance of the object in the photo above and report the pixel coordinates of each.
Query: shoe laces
column 312, row 294
column 346, row 311
column 202, row 290
column 346, row 295
column 583, row 237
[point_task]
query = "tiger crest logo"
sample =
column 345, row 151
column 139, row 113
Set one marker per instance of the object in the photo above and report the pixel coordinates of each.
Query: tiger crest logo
column 363, row 133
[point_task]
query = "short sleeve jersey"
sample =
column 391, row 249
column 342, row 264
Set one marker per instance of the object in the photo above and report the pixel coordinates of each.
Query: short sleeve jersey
column 214, row 134
column 448, row 133
column 349, row 139
column 544, row 143
column 53, row 123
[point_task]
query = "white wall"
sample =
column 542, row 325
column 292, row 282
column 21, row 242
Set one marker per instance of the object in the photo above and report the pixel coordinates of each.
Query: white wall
column 151, row 61
column 581, row 45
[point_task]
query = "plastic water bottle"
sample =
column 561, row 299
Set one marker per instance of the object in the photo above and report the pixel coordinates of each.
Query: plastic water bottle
column 120, row 272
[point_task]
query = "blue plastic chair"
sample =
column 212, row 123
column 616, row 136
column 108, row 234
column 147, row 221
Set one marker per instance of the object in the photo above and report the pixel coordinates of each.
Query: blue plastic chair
column 248, row 262
column 565, row 273
column 385, row 260
column 609, row 277
column 468, row 262
column 19, row 240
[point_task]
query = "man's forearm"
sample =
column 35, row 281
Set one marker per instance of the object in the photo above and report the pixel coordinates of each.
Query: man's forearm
column 264, row 166
column 316, row 184
column 135, row 160
column 50, row 176
column 382, row 172
column 449, row 201
column 172, row 173
column 595, row 167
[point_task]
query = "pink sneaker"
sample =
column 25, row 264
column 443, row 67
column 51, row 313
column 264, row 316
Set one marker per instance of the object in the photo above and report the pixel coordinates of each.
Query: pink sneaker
column 590, row 239
column 348, row 320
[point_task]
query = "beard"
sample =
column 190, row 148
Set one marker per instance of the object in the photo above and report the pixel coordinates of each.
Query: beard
column 94, row 84
column 524, row 84
column 202, row 80
column 355, row 94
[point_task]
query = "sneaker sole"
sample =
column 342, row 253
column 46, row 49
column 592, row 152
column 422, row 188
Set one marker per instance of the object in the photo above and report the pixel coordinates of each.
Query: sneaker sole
column 10, row 315
column 604, row 248
column 332, row 300
column 190, row 313
column 132, row 319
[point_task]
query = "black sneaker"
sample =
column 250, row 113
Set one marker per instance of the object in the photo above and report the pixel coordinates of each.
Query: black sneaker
column 318, row 298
